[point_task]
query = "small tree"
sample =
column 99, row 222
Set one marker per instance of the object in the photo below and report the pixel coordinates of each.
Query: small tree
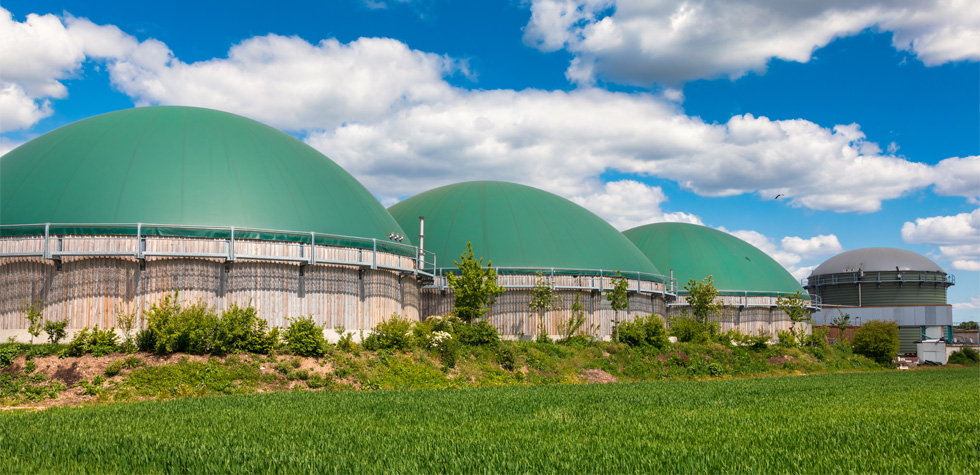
column 795, row 307
column 618, row 298
column 567, row 328
column 701, row 298
column 543, row 298
column 34, row 313
column 475, row 289
column 842, row 321
column 877, row 340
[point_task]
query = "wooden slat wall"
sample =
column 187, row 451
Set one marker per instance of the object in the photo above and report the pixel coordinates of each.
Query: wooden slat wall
column 511, row 313
column 90, row 291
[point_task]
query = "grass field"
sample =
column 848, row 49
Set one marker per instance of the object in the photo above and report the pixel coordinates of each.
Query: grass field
column 885, row 422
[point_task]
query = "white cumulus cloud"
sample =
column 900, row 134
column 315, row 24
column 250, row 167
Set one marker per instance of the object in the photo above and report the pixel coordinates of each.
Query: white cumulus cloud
column 957, row 237
column 627, row 204
column 673, row 41
column 562, row 141
column 822, row 245
column 38, row 54
column 958, row 177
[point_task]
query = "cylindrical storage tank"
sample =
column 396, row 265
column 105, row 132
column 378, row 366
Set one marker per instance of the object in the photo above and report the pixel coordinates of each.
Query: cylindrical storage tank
column 749, row 282
column 879, row 276
column 883, row 283
column 111, row 213
column 524, row 231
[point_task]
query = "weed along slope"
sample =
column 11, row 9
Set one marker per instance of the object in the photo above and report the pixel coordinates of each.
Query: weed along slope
column 824, row 423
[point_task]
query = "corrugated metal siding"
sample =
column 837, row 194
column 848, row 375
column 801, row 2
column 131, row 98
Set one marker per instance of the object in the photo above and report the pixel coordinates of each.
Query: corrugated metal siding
column 907, row 336
column 884, row 293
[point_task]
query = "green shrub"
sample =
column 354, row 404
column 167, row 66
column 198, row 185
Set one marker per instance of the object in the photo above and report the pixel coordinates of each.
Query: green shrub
column 300, row 374
column 56, row 330
column 146, row 340
column 688, row 330
column 543, row 337
column 506, row 357
column 818, row 338
column 391, row 334
column 304, row 338
column 316, row 381
column 786, row 339
column 241, row 330
column 78, row 345
column 476, row 334
column 966, row 356
column 643, row 331
column 8, row 353
column 346, row 341
column 758, row 342
column 114, row 368
column 102, row 342
column 30, row 366
column 448, row 349
column 877, row 340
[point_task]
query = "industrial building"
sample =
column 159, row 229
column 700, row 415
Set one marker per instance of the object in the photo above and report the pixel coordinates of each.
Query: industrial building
column 111, row 213
column 526, row 231
column 749, row 282
column 886, row 284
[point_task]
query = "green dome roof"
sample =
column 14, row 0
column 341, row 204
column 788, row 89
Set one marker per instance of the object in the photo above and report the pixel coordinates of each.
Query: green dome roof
column 516, row 226
column 184, row 166
column 695, row 252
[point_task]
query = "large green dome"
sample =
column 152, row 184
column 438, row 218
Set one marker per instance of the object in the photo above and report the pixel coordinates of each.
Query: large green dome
column 184, row 166
column 695, row 252
column 517, row 226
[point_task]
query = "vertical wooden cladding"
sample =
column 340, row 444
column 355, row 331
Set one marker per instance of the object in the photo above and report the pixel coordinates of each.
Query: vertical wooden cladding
column 90, row 291
column 748, row 319
column 511, row 313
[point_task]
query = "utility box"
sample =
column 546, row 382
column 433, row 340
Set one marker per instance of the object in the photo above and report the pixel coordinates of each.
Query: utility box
column 932, row 351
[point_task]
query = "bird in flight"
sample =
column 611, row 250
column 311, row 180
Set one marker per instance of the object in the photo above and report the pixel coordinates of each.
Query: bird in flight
column 777, row 196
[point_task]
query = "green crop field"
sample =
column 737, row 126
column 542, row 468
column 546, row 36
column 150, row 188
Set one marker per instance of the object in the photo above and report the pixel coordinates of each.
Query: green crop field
column 886, row 422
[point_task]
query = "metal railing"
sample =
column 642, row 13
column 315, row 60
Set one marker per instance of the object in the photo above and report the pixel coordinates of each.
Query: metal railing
column 877, row 278
column 752, row 298
column 231, row 243
column 591, row 279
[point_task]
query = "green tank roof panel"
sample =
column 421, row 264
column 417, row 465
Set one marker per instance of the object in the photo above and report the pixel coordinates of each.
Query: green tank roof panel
column 184, row 166
column 695, row 252
column 516, row 226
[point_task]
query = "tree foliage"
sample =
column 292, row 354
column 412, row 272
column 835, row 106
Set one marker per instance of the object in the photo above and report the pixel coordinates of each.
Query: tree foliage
column 475, row 289
column 618, row 296
column 543, row 298
column 968, row 325
column 795, row 306
column 877, row 340
column 701, row 298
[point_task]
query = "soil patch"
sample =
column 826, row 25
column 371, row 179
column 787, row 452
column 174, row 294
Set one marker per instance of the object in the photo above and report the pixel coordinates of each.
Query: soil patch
column 598, row 376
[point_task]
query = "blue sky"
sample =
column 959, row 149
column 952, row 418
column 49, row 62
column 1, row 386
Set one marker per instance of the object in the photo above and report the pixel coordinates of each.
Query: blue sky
column 865, row 118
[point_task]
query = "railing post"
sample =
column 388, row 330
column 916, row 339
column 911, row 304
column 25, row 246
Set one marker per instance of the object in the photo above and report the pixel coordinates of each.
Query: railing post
column 374, row 253
column 47, row 236
column 312, row 249
column 139, row 240
column 231, row 245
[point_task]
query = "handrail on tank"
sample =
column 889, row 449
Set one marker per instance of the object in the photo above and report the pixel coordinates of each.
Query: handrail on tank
column 604, row 277
column 741, row 298
column 425, row 261
column 875, row 278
